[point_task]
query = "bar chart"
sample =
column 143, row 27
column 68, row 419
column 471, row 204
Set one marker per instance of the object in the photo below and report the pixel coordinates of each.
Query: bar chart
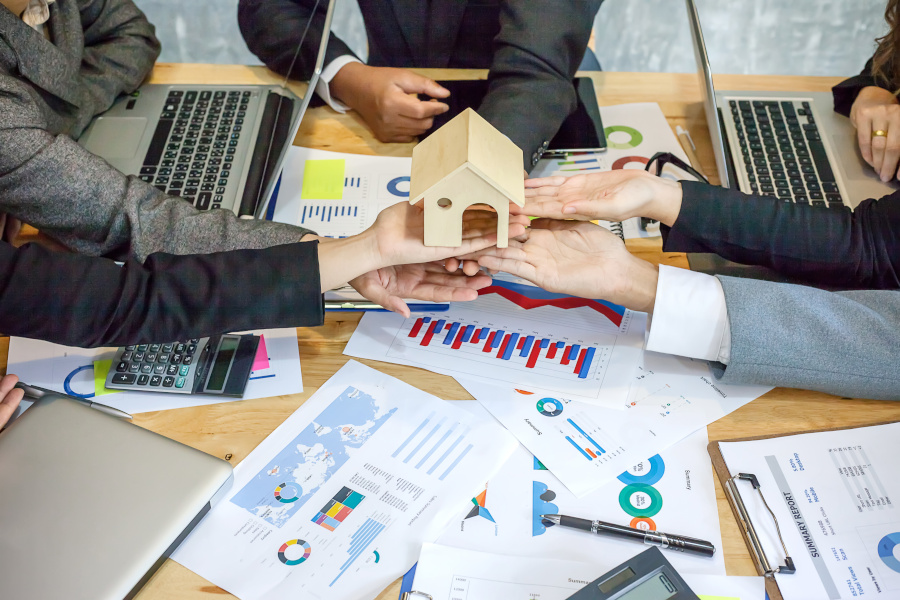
column 588, row 439
column 360, row 540
column 436, row 446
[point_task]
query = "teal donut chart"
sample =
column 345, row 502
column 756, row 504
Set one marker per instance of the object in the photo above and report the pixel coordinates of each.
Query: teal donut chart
column 654, row 474
column 549, row 407
column 656, row 500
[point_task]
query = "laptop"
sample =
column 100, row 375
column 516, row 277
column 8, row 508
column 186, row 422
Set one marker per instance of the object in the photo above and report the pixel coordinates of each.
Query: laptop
column 91, row 505
column 216, row 146
column 788, row 145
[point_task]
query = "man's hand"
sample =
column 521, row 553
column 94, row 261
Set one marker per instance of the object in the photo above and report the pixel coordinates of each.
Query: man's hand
column 874, row 110
column 581, row 259
column 613, row 196
column 429, row 282
column 9, row 398
column 382, row 96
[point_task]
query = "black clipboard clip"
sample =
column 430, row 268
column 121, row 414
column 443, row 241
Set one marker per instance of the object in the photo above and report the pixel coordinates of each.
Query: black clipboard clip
column 760, row 554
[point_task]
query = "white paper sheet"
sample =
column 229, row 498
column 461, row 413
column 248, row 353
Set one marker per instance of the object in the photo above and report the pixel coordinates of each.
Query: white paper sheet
column 671, row 492
column 336, row 502
column 371, row 184
column 584, row 349
column 586, row 446
column 48, row 365
column 452, row 574
column 835, row 496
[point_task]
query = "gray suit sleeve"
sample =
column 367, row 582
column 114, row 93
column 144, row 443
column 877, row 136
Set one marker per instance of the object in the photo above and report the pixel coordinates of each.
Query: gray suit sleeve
column 77, row 198
column 843, row 343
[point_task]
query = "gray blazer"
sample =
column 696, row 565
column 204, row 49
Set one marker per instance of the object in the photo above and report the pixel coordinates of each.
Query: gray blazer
column 844, row 343
column 50, row 90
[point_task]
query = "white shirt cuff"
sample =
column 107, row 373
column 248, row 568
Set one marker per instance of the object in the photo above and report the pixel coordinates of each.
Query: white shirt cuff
column 328, row 73
column 690, row 317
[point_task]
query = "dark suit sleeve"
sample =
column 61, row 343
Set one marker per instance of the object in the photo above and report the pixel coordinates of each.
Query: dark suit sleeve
column 273, row 28
column 536, row 54
column 81, row 301
column 120, row 47
column 826, row 246
column 845, row 92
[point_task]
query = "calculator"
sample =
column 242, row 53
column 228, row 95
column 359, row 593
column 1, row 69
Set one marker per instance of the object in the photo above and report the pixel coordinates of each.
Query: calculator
column 217, row 365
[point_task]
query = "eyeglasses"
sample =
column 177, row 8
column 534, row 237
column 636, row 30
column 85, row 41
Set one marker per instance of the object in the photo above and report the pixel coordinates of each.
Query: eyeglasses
column 661, row 159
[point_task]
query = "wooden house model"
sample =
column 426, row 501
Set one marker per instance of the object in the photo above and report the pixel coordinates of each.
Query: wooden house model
column 465, row 162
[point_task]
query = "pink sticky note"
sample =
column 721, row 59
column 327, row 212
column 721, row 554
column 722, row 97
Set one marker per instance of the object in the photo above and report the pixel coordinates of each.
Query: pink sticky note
column 262, row 356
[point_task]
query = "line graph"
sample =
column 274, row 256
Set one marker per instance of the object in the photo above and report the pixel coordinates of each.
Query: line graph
column 529, row 297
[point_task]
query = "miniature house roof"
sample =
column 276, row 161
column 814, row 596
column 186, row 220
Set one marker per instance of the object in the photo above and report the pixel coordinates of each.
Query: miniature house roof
column 468, row 142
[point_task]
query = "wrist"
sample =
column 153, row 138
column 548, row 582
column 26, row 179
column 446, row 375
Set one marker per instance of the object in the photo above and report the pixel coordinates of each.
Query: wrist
column 639, row 292
column 666, row 203
column 346, row 84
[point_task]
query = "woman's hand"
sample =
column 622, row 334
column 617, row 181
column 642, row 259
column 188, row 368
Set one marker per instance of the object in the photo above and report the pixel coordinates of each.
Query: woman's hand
column 874, row 110
column 581, row 259
column 429, row 282
column 9, row 398
column 613, row 196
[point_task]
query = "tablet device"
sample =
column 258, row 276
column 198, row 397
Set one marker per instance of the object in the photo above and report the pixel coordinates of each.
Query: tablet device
column 582, row 131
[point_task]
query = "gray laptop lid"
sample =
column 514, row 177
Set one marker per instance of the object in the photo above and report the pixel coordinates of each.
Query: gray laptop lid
column 90, row 504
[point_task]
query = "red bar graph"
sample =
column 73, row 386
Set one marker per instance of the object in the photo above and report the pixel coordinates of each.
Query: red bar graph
column 580, row 360
column 520, row 344
column 551, row 351
column 489, row 342
column 459, row 336
column 565, row 355
column 416, row 328
column 532, row 358
column 428, row 334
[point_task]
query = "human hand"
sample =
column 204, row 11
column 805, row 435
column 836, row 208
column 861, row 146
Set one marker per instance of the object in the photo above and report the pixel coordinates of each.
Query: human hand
column 874, row 110
column 430, row 282
column 613, row 196
column 581, row 259
column 382, row 96
column 9, row 398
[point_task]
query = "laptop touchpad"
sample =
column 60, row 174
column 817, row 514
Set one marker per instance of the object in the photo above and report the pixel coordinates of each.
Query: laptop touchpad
column 116, row 137
column 844, row 144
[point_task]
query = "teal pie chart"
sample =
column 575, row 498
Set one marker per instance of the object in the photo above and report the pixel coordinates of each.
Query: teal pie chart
column 886, row 551
column 549, row 407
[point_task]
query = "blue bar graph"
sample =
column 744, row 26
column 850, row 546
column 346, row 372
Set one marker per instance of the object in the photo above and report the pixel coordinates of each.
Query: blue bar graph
column 573, row 352
column 579, row 448
column 359, row 541
column 467, row 333
column 497, row 339
column 586, row 364
column 545, row 343
column 447, row 453
column 584, row 433
column 448, row 339
column 458, row 460
column 412, row 435
column 482, row 335
column 526, row 347
column 430, row 434
column 513, row 340
column 439, row 443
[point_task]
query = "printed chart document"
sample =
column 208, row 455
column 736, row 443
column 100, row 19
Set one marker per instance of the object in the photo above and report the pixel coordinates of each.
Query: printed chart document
column 453, row 574
column 336, row 194
column 516, row 334
column 82, row 372
column 835, row 496
column 586, row 446
column 672, row 491
column 336, row 502
column 634, row 133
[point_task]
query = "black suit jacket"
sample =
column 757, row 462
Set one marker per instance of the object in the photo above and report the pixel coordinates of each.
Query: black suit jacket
column 532, row 48
column 845, row 92
column 838, row 248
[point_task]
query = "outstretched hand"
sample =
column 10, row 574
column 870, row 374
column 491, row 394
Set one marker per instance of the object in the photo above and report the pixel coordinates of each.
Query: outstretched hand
column 9, row 398
column 612, row 196
column 580, row 259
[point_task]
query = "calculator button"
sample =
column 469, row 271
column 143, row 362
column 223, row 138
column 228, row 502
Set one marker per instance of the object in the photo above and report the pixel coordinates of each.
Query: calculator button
column 168, row 382
column 167, row 348
column 188, row 360
column 195, row 340
column 163, row 358
column 143, row 379
column 151, row 357
column 139, row 356
column 184, row 370
column 122, row 367
column 124, row 378
column 127, row 355
column 154, row 347
column 159, row 369
column 155, row 380
column 146, row 369
column 129, row 347
column 142, row 348
column 134, row 367
column 179, row 383
column 179, row 348
column 172, row 370
column 176, row 359
column 191, row 349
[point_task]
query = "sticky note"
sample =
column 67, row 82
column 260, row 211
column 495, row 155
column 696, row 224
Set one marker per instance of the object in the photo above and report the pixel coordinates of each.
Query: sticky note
column 262, row 356
column 323, row 180
column 101, row 369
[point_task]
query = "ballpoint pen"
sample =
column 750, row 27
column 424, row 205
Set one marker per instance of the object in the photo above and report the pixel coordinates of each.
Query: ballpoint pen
column 651, row 538
column 34, row 392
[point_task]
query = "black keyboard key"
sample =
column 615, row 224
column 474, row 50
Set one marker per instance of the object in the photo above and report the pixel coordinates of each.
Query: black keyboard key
column 820, row 203
column 816, row 195
column 766, row 188
column 821, row 159
column 814, row 186
column 784, row 193
column 124, row 378
column 172, row 370
column 122, row 367
column 143, row 380
column 834, row 198
column 830, row 188
column 203, row 200
column 781, row 183
column 801, row 199
column 158, row 142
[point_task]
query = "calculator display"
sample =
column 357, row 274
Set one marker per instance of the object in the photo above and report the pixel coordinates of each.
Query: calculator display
column 656, row 588
column 222, row 364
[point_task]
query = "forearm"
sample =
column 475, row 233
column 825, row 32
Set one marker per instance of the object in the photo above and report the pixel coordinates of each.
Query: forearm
column 345, row 259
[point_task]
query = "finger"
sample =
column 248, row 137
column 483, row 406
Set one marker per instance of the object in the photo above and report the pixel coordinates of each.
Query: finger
column 878, row 143
column 513, row 267
column 891, row 153
column 452, row 264
column 471, row 267
column 7, row 383
column 431, row 292
column 385, row 299
column 413, row 83
column 438, row 276
column 545, row 182
column 864, row 136
column 10, row 401
column 412, row 108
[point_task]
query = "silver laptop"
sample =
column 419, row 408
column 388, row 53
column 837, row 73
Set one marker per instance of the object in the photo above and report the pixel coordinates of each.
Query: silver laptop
column 91, row 505
column 789, row 145
column 216, row 146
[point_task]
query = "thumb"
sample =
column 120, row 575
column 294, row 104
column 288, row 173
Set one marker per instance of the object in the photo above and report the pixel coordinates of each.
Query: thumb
column 413, row 83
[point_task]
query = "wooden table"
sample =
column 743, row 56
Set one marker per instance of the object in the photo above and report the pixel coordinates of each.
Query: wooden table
column 234, row 429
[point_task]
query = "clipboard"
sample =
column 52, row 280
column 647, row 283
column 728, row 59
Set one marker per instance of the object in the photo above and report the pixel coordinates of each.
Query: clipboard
column 765, row 565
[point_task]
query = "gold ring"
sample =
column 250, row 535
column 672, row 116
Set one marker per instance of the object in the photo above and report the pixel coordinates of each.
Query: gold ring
column 879, row 133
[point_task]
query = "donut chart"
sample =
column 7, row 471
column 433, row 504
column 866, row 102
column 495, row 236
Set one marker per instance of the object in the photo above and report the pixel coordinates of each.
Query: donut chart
column 67, row 384
column 886, row 551
column 627, row 160
column 393, row 186
column 635, row 137
column 285, row 547
column 655, row 498
column 652, row 475
column 643, row 523
column 549, row 407
column 287, row 492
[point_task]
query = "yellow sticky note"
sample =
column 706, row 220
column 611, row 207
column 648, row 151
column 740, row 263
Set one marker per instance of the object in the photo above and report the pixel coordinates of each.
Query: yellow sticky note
column 323, row 180
column 101, row 369
column 718, row 598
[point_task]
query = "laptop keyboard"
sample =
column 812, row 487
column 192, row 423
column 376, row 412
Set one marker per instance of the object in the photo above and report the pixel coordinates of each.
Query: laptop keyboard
column 192, row 151
column 782, row 150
